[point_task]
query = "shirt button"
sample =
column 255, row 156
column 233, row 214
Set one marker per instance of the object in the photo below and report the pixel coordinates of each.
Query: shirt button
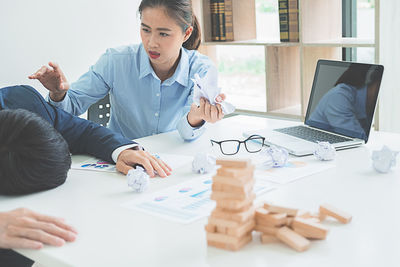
column 158, row 94
column 156, row 114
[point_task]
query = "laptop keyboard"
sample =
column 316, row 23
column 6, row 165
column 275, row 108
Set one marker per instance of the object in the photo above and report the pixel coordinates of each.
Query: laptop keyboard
column 312, row 135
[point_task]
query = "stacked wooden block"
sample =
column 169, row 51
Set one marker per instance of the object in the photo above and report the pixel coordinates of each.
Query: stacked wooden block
column 231, row 223
column 294, row 227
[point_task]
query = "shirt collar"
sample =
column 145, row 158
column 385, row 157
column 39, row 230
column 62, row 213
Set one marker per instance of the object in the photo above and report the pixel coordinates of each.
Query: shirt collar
column 181, row 74
column 145, row 67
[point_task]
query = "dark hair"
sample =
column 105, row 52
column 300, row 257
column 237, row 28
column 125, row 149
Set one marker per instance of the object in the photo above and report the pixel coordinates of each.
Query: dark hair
column 182, row 12
column 359, row 75
column 33, row 155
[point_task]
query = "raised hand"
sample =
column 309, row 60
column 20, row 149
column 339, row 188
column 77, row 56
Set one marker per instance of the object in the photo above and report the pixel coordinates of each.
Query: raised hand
column 206, row 112
column 53, row 79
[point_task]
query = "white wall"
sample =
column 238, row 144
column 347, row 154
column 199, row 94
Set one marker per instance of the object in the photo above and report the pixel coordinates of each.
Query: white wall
column 389, row 105
column 73, row 33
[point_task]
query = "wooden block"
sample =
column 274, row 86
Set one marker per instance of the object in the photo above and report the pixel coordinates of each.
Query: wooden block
column 232, row 163
column 292, row 239
column 240, row 216
column 211, row 228
column 279, row 209
column 303, row 214
column 222, row 195
column 309, row 229
column 242, row 230
column 242, row 181
column 235, row 205
column 272, row 219
column 227, row 242
column 240, row 189
column 235, row 172
column 289, row 221
column 221, row 229
column 267, row 239
column 266, row 229
column 329, row 210
column 321, row 217
column 222, row 222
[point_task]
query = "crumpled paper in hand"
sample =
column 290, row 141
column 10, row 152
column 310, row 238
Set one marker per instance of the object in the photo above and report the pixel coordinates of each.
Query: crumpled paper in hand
column 207, row 88
column 274, row 156
column 383, row 160
column 138, row 179
column 324, row 151
column 203, row 163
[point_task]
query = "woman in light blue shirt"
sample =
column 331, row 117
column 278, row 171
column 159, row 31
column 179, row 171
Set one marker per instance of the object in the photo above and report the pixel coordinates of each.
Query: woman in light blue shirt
column 150, row 84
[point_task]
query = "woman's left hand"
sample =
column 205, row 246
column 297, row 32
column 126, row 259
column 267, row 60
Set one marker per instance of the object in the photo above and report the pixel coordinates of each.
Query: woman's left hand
column 205, row 112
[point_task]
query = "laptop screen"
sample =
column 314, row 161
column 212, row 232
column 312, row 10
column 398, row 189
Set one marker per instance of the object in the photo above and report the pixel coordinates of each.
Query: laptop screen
column 343, row 97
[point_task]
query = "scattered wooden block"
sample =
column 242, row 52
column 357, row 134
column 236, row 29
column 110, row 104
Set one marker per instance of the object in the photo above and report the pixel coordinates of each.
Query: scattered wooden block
column 279, row 209
column 329, row 210
column 227, row 242
column 266, row 229
column 232, row 163
column 267, row 239
column 263, row 216
column 309, row 229
column 292, row 239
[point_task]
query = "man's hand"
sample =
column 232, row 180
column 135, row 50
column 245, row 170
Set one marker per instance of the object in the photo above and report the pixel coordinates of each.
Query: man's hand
column 205, row 112
column 53, row 79
column 130, row 158
column 23, row 228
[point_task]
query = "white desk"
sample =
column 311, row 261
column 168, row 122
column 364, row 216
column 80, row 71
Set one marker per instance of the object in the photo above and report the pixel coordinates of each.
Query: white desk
column 111, row 235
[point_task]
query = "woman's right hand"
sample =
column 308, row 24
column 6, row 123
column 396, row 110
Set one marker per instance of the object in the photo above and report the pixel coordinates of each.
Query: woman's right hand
column 53, row 79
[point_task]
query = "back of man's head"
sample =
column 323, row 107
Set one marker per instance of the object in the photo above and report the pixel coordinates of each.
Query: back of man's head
column 33, row 155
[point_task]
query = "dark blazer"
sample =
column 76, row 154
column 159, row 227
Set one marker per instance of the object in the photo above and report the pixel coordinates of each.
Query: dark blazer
column 82, row 136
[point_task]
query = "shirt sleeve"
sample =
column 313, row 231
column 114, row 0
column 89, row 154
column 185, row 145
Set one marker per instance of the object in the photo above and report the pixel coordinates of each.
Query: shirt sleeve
column 186, row 131
column 89, row 88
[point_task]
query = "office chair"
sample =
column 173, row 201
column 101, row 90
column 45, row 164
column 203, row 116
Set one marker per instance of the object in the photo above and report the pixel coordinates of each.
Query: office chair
column 99, row 112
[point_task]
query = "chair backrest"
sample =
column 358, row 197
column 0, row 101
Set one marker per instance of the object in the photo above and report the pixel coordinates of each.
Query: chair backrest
column 99, row 112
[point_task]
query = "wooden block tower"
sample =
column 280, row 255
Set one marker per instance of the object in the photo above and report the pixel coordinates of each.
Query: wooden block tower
column 231, row 223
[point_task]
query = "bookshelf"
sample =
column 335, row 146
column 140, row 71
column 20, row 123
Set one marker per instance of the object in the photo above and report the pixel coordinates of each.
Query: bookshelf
column 289, row 66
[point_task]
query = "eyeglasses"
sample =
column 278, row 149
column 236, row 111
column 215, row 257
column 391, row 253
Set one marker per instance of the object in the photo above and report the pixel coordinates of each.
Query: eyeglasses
column 252, row 144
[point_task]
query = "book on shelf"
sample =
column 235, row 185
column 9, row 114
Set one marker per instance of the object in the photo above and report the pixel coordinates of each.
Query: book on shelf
column 221, row 20
column 293, row 10
column 289, row 20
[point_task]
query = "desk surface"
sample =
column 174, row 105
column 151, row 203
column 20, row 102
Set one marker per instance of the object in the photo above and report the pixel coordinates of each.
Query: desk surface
column 111, row 235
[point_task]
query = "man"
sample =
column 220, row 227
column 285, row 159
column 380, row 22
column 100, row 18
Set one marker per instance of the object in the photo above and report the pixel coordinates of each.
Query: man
column 35, row 144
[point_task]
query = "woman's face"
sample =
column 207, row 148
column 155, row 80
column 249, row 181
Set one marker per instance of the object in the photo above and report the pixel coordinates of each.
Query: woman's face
column 162, row 37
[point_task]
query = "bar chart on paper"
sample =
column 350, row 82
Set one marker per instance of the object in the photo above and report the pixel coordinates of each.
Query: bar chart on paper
column 186, row 202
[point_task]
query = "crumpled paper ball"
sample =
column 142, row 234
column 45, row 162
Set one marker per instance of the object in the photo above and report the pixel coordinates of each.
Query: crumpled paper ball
column 324, row 151
column 203, row 163
column 138, row 179
column 207, row 87
column 274, row 156
column 383, row 160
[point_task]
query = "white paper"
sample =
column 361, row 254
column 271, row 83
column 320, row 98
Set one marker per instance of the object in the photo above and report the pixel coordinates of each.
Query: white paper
column 185, row 202
column 293, row 170
column 93, row 164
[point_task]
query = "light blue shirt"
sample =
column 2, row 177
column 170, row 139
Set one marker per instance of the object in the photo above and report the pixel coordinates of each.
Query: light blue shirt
column 140, row 104
column 342, row 109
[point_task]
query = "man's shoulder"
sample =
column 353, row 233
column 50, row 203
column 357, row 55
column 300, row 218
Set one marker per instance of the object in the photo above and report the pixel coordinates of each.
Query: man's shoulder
column 20, row 93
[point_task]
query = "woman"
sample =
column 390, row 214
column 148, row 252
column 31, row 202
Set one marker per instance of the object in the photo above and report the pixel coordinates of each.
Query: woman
column 149, row 84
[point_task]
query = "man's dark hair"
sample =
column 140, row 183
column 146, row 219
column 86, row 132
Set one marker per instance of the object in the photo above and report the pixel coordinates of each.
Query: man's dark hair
column 33, row 155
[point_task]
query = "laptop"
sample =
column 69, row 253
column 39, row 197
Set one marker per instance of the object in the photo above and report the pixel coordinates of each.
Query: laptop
column 340, row 109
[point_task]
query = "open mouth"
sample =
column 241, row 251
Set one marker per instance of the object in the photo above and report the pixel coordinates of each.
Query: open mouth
column 154, row 55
